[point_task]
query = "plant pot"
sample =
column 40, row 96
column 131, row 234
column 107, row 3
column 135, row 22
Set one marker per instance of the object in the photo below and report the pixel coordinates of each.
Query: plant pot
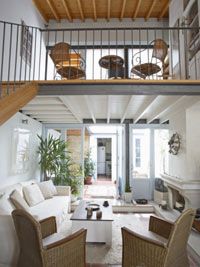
column 128, row 197
column 88, row 180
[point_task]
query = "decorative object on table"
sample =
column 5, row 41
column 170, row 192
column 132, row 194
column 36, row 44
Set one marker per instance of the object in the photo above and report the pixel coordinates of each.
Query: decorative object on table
column 89, row 167
column 128, row 194
column 141, row 201
column 114, row 65
column 89, row 212
column 98, row 214
column 174, row 144
column 163, row 205
column 93, row 206
column 105, row 203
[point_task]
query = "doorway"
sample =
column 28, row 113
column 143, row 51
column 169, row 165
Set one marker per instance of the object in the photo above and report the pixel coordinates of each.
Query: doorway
column 104, row 159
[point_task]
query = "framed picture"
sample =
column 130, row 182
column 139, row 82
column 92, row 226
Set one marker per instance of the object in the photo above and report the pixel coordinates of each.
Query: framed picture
column 26, row 44
column 21, row 150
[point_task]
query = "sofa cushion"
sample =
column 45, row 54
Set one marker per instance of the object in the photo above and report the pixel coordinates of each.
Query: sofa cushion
column 48, row 189
column 56, row 206
column 33, row 194
column 6, row 206
column 18, row 201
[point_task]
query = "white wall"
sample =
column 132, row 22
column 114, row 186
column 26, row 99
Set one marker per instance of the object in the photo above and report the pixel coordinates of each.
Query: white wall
column 186, row 164
column 15, row 12
column 7, row 176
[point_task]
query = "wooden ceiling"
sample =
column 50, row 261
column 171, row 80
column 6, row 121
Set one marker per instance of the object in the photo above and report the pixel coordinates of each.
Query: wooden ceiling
column 102, row 9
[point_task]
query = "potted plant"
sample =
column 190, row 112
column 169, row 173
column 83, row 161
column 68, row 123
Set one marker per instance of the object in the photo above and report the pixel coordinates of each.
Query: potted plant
column 89, row 167
column 128, row 194
column 56, row 164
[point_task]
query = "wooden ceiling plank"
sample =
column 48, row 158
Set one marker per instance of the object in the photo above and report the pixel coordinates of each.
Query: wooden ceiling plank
column 80, row 10
column 164, row 10
column 39, row 8
column 150, row 10
column 123, row 9
column 69, row 17
column 53, row 10
column 95, row 10
column 108, row 10
column 137, row 9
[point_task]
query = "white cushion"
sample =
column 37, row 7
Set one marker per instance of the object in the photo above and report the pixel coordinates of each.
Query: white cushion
column 48, row 189
column 18, row 201
column 57, row 206
column 33, row 194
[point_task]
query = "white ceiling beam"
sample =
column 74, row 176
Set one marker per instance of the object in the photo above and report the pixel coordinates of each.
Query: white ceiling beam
column 165, row 106
column 57, row 121
column 144, row 107
column 44, row 107
column 69, row 106
column 127, row 107
column 53, row 116
column 89, row 103
column 47, row 112
column 108, row 108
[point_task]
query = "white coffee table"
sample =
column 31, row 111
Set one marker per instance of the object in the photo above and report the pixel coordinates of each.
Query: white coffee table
column 98, row 230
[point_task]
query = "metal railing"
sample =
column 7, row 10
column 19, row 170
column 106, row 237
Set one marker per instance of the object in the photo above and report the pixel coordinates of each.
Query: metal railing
column 26, row 54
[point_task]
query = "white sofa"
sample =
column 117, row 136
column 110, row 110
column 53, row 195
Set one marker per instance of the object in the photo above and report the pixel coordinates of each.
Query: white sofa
column 58, row 206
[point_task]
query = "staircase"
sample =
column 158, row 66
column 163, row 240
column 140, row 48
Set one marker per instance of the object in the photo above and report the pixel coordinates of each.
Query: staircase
column 14, row 97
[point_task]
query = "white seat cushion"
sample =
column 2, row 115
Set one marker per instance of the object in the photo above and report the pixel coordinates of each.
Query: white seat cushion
column 56, row 206
column 33, row 194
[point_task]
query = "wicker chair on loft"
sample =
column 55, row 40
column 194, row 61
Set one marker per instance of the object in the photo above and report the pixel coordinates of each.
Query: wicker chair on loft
column 159, row 61
column 68, row 65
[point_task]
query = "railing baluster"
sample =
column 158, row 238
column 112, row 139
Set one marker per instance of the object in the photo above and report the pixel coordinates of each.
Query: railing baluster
column 2, row 59
column 16, row 57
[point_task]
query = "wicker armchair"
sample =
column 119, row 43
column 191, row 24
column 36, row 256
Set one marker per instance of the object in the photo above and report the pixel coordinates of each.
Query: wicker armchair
column 66, row 252
column 164, row 245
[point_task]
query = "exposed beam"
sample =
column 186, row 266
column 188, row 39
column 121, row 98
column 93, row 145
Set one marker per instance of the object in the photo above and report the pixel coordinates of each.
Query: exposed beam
column 108, row 108
column 52, row 116
column 137, row 9
column 40, row 10
column 123, row 9
column 53, row 10
column 127, row 107
column 57, row 121
column 69, row 17
column 80, row 10
column 108, row 10
column 70, row 107
column 164, row 10
column 43, row 107
column 150, row 10
column 159, row 110
column 94, row 10
column 144, row 107
column 88, row 102
column 46, row 112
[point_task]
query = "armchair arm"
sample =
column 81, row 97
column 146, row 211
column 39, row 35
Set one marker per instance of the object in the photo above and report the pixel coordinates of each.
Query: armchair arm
column 140, row 250
column 63, row 190
column 160, row 226
column 48, row 226
column 69, row 250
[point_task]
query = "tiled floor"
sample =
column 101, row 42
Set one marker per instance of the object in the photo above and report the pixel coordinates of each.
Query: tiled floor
column 100, row 189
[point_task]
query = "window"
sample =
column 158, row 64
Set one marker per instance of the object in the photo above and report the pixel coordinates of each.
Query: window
column 137, row 153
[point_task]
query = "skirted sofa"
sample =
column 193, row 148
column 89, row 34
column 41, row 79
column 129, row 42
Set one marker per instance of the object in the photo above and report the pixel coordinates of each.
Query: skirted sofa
column 41, row 200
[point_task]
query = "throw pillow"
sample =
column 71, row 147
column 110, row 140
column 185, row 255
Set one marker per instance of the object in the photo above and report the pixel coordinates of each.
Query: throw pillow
column 33, row 194
column 18, row 201
column 48, row 189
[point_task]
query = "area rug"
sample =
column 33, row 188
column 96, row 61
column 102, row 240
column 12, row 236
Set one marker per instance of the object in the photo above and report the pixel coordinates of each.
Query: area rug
column 103, row 254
